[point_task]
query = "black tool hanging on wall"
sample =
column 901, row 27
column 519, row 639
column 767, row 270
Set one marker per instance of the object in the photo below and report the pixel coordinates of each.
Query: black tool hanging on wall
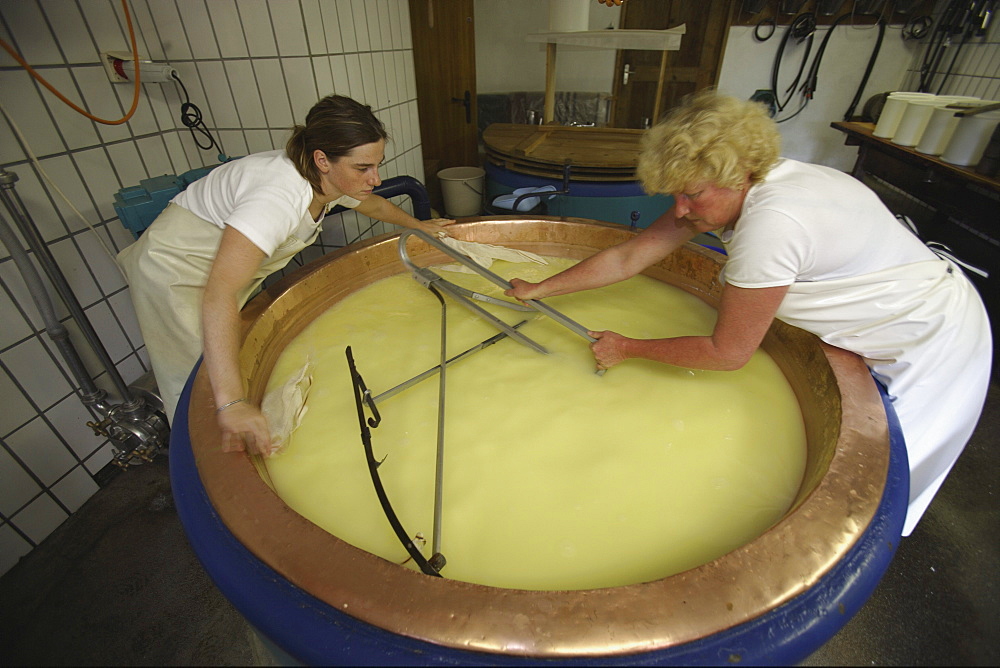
column 803, row 28
column 962, row 19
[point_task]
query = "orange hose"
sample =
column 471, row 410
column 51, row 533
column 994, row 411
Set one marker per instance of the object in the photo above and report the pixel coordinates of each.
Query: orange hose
column 135, row 58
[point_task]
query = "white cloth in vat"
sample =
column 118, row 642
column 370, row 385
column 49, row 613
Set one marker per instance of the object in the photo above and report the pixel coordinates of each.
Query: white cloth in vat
column 285, row 406
column 861, row 281
column 485, row 254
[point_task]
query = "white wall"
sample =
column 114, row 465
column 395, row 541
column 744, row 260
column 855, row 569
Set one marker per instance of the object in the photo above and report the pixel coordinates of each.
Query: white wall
column 506, row 62
column 254, row 68
column 747, row 65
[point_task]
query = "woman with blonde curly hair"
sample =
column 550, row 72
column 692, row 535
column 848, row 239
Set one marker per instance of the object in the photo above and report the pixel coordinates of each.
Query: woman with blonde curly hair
column 815, row 248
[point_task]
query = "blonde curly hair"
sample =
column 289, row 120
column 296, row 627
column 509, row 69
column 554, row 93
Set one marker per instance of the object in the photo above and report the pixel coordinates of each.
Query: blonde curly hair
column 709, row 137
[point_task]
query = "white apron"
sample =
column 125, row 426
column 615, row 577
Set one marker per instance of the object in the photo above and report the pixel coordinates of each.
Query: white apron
column 167, row 268
column 924, row 332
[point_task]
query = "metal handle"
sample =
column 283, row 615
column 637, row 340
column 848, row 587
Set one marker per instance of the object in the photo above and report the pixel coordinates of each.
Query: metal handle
column 975, row 110
column 467, row 103
column 625, row 74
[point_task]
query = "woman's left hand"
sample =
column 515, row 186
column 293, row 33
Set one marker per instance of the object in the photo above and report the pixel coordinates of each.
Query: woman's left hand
column 608, row 349
column 435, row 226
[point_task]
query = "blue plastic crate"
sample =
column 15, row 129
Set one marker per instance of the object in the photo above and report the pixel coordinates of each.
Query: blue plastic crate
column 138, row 206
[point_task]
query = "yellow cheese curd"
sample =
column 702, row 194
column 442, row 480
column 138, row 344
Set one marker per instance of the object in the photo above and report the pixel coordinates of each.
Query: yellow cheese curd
column 554, row 477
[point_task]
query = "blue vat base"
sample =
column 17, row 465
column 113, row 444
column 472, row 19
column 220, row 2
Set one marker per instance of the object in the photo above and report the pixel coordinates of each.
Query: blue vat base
column 311, row 632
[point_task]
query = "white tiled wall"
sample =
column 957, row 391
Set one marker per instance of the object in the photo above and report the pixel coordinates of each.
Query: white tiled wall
column 254, row 68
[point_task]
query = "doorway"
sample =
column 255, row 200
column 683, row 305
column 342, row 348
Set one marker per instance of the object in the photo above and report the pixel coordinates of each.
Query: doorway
column 444, row 60
column 693, row 67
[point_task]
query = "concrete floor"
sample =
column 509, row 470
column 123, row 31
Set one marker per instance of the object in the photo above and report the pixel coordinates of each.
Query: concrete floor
column 117, row 583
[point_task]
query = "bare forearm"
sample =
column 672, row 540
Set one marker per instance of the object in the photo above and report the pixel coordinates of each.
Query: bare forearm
column 382, row 209
column 220, row 332
column 689, row 352
column 744, row 317
column 596, row 271
column 614, row 264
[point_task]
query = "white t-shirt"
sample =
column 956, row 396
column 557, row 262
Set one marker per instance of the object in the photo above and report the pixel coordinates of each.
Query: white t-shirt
column 812, row 223
column 861, row 281
column 262, row 196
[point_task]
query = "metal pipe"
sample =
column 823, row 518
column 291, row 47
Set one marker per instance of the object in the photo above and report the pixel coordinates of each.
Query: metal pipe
column 28, row 229
column 547, row 193
column 401, row 185
column 439, row 458
column 388, row 394
column 137, row 429
column 90, row 393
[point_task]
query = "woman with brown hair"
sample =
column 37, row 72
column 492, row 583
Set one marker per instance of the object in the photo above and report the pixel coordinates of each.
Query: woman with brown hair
column 195, row 267
column 817, row 249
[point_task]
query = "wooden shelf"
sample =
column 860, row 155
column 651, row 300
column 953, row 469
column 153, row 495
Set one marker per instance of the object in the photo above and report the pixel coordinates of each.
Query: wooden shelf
column 642, row 40
column 861, row 134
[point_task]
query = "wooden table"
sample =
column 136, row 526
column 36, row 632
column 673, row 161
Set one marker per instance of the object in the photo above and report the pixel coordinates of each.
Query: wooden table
column 593, row 154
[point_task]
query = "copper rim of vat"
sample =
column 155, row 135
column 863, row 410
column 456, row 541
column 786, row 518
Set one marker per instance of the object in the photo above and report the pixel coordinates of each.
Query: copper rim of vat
column 847, row 464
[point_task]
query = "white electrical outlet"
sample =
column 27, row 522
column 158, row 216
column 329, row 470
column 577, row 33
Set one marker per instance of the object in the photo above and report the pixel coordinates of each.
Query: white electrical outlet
column 120, row 66
column 108, row 59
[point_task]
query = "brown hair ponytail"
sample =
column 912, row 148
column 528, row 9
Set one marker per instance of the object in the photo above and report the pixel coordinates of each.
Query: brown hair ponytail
column 335, row 125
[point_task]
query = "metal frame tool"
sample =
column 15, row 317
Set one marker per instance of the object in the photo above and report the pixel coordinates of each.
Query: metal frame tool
column 427, row 278
column 364, row 397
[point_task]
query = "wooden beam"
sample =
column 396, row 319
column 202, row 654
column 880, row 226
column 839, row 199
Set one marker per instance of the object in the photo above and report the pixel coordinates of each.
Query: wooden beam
column 549, row 112
column 659, row 89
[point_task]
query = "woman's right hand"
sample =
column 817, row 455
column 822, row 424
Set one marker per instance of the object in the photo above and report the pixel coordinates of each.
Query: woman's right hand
column 523, row 290
column 244, row 427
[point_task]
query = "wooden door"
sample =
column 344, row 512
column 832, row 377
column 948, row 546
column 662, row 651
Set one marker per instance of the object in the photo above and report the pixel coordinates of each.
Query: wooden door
column 693, row 67
column 444, row 59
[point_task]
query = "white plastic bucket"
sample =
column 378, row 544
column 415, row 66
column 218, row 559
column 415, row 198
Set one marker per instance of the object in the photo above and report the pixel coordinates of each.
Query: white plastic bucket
column 942, row 125
column 914, row 121
column 938, row 132
column 462, row 188
column 892, row 112
column 970, row 139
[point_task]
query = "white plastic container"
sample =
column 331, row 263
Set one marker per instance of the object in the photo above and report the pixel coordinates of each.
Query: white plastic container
column 939, row 131
column 892, row 112
column 914, row 121
column 970, row 139
column 942, row 124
